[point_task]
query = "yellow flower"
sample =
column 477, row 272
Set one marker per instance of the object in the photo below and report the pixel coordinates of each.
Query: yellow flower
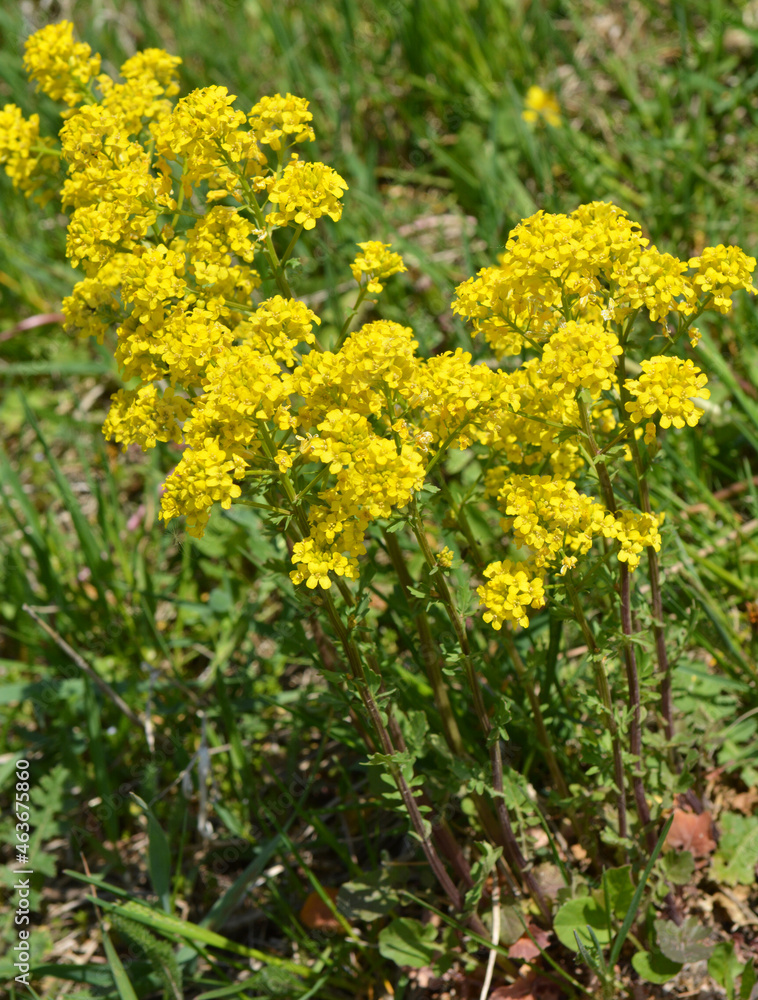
column 61, row 66
column 666, row 386
column 26, row 165
column 541, row 105
column 273, row 118
column 143, row 416
column 205, row 475
column 512, row 588
column 376, row 262
column 304, row 193
column 719, row 272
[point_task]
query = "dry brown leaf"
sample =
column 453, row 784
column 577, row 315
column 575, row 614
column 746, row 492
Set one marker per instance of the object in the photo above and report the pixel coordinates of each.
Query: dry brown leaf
column 738, row 912
column 525, row 948
column 693, row 833
column 316, row 915
column 744, row 802
column 529, row 987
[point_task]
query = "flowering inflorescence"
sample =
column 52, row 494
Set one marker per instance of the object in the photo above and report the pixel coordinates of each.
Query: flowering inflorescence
column 175, row 205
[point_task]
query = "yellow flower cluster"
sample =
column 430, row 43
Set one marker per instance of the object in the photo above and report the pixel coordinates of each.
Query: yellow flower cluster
column 304, row 193
column 549, row 516
column 273, row 118
column 373, row 476
column 377, row 359
column 376, row 262
column 593, row 265
column 350, row 434
column 24, row 153
column 144, row 416
column 512, row 588
column 61, row 67
column 204, row 476
column 541, row 105
column 720, row 271
column 666, row 386
column 580, row 356
column 277, row 326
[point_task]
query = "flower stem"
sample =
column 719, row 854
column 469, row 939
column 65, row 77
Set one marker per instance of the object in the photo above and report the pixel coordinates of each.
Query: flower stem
column 604, row 690
column 656, row 597
column 510, row 845
column 355, row 664
column 429, row 654
column 630, row 659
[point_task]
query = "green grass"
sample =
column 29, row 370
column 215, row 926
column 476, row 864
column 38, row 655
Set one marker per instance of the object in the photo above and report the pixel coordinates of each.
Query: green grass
column 249, row 790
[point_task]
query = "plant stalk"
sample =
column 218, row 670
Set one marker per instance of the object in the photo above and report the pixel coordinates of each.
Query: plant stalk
column 630, row 659
column 508, row 840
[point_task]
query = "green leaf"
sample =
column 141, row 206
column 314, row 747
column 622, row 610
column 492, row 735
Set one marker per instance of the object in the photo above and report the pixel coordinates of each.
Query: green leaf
column 123, row 985
column 748, row 981
column 684, row 943
column 617, row 882
column 654, row 967
column 368, row 898
column 678, row 867
column 725, row 967
column 737, row 855
column 479, row 871
column 163, row 923
column 408, row 942
column 631, row 915
column 577, row 915
column 158, row 856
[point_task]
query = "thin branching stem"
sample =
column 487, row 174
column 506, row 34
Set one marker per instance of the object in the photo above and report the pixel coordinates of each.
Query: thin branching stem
column 627, row 628
column 510, row 844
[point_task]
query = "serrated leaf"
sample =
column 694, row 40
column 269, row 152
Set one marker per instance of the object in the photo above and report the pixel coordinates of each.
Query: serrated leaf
column 685, row 943
column 737, row 855
column 408, row 942
column 654, row 967
column 479, row 872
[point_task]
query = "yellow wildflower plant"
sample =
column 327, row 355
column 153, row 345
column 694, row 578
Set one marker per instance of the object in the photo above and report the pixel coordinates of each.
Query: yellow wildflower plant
column 174, row 206
column 370, row 460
